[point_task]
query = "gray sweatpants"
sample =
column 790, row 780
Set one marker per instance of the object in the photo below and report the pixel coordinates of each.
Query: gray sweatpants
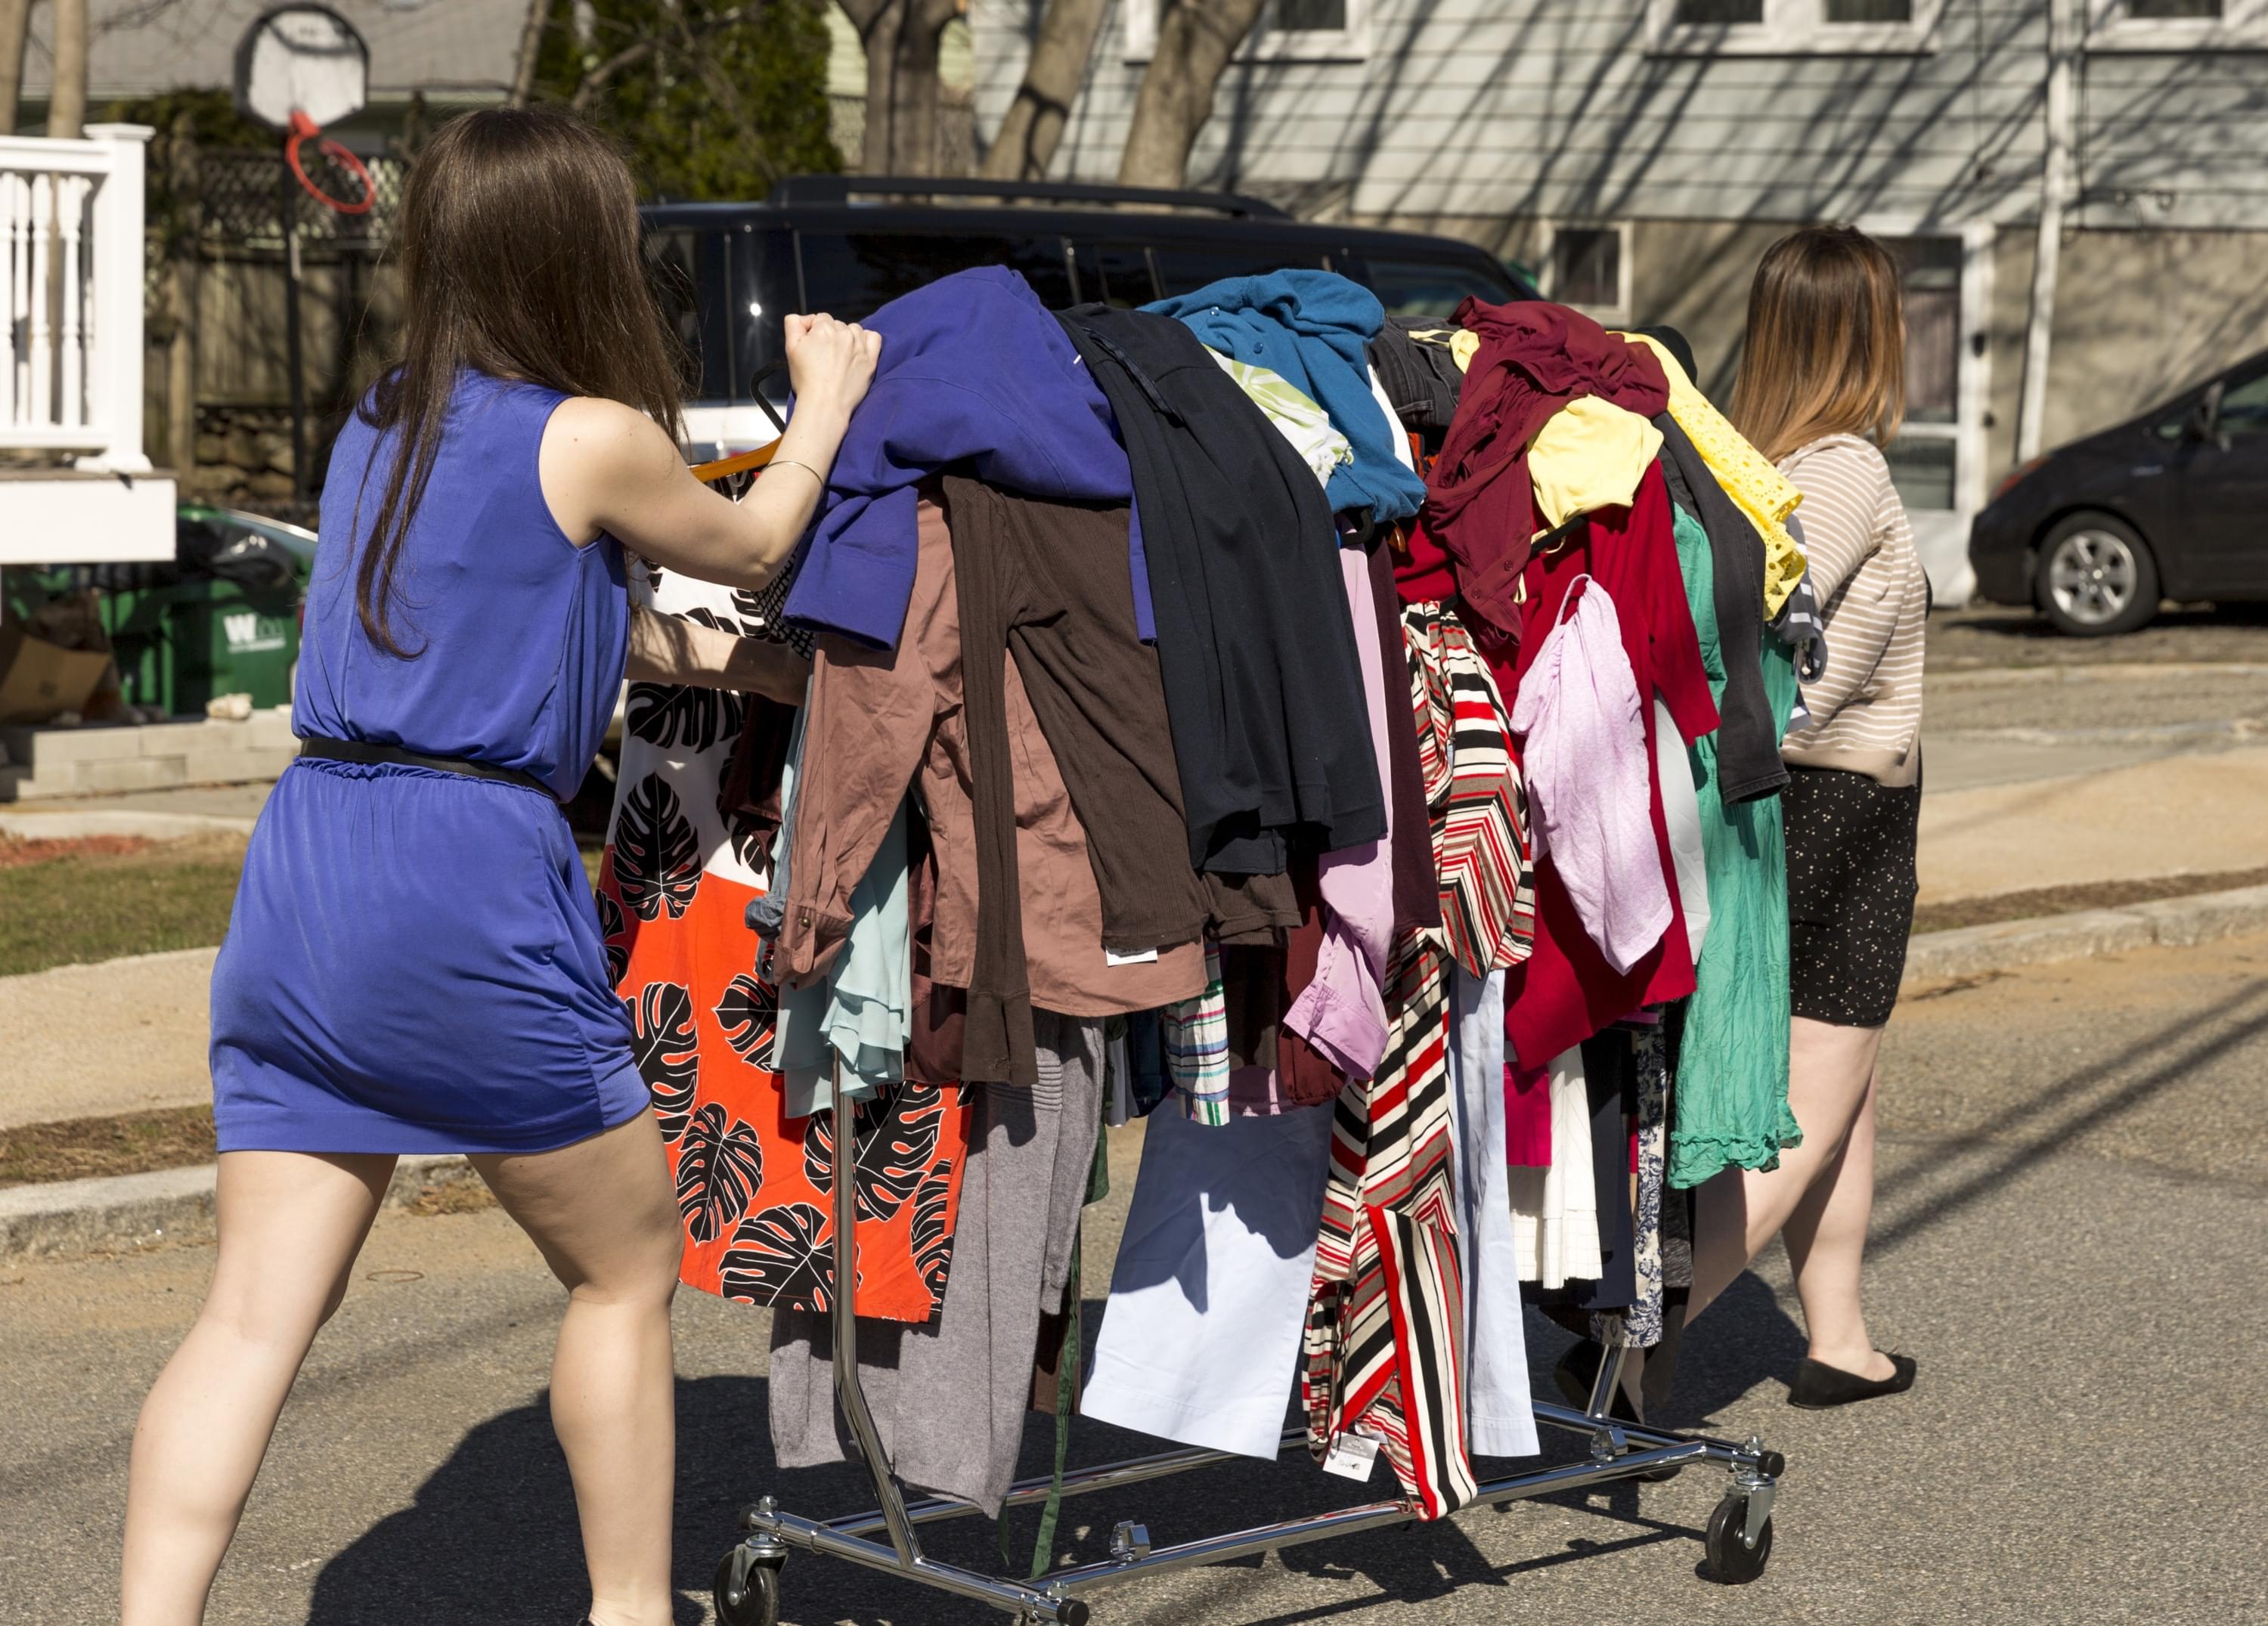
column 949, row 1397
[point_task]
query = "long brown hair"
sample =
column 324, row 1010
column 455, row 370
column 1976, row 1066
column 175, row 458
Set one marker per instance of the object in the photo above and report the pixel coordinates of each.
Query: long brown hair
column 521, row 259
column 1825, row 352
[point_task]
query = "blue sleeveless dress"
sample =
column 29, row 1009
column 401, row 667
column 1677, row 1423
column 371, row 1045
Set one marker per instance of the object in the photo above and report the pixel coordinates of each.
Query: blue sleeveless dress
column 415, row 962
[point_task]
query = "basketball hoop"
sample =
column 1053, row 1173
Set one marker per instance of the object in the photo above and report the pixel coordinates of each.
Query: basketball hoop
column 298, row 69
column 302, row 128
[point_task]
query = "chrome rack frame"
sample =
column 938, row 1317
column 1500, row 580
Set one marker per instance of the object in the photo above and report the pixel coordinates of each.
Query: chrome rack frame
column 1739, row 1533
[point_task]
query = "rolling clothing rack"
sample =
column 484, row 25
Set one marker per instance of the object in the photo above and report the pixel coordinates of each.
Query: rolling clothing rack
column 1738, row 1541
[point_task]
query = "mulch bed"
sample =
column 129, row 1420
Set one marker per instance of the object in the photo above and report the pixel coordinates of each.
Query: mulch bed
column 2109, row 894
column 133, row 1143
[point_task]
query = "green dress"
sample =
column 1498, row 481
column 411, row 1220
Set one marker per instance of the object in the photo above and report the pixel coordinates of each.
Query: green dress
column 1731, row 1090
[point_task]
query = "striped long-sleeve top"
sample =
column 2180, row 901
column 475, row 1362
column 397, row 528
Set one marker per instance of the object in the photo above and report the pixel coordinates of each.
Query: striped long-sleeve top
column 1865, row 708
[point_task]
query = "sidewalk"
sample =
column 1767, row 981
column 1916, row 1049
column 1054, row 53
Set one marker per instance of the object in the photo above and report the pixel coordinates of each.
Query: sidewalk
column 88, row 1042
column 2198, row 813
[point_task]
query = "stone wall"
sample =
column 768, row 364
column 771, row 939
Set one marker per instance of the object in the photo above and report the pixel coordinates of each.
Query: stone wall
column 42, row 763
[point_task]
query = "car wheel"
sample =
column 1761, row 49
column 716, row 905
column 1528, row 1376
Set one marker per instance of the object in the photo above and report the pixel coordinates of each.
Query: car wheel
column 2096, row 577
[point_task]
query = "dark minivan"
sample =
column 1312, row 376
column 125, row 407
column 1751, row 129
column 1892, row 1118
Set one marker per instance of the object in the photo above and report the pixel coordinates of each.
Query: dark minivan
column 2168, row 504
column 729, row 271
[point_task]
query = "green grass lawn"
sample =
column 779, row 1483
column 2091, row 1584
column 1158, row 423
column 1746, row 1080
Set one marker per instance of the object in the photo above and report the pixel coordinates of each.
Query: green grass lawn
column 65, row 903
column 92, row 901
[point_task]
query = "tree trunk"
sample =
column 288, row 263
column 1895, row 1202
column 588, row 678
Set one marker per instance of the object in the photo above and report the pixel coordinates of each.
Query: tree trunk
column 531, row 46
column 878, row 23
column 15, row 26
column 901, row 38
column 67, row 102
column 1027, row 137
column 1196, row 38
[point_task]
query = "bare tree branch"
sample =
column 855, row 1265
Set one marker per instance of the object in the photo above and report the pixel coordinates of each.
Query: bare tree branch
column 638, row 50
column 67, row 99
column 1027, row 137
column 15, row 31
column 531, row 46
column 1196, row 38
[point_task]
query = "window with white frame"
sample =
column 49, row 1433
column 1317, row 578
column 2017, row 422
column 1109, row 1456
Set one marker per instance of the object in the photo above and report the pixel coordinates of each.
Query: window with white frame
column 1792, row 27
column 2176, row 24
column 1287, row 31
column 1587, row 264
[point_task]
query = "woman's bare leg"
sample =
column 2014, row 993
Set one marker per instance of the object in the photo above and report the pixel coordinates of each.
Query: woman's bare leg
column 1831, row 1070
column 290, row 1224
column 1826, row 1239
column 605, row 1216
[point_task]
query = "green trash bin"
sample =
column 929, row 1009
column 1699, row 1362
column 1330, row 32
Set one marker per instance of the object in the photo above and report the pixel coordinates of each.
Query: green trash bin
column 222, row 617
column 177, row 646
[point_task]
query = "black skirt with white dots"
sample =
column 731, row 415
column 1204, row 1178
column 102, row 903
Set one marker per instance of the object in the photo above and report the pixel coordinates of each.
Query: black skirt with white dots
column 1851, row 887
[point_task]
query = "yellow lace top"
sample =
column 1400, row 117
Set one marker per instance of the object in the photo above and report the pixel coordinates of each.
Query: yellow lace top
column 1758, row 488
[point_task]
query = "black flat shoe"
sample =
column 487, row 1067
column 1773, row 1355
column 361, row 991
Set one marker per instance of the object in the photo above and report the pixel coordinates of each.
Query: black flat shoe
column 1818, row 1386
column 1575, row 1374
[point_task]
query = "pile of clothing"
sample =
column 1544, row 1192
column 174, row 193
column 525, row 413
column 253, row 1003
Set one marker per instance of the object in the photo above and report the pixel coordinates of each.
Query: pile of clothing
column 1351, row 743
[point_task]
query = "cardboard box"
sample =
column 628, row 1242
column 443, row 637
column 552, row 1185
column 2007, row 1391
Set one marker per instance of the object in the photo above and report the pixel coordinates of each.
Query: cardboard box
column 39, row 680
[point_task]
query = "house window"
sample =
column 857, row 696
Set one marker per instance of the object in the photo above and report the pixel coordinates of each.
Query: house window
column 1588, row 266
column 1792, row 27
column 1287, row 31
column 2176, row 24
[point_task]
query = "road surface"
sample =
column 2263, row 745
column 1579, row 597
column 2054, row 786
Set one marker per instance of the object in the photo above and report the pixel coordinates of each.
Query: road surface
column 2073, row 1218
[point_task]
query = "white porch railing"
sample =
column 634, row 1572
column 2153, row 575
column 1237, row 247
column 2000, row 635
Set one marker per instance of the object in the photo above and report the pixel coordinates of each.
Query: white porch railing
column 70, row 296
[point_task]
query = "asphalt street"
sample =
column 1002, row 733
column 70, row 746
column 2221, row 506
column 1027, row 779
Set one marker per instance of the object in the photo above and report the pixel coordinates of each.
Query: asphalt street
column 2073, row 1212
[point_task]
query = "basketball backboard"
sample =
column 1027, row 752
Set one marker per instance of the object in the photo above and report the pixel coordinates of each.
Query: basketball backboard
column 301, row 59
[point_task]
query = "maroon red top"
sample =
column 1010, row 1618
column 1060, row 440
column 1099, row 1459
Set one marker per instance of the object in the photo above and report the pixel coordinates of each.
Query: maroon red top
column 1534, row 358
column 1566, row 991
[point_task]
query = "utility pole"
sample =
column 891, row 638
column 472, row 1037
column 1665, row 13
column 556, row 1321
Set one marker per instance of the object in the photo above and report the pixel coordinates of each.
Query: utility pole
column 2055, row 171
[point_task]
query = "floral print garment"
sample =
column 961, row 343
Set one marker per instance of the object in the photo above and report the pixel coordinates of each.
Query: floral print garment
column 755, row 1186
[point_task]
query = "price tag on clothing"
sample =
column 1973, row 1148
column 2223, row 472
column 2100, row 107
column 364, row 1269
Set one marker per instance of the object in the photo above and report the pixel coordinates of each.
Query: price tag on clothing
column 1352, row 1456
column 1147, row 957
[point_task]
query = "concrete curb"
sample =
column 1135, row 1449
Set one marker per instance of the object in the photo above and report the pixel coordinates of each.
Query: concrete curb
column 127, row 1211
column 136, row 1211
column 2173, row 922
column 72, row 823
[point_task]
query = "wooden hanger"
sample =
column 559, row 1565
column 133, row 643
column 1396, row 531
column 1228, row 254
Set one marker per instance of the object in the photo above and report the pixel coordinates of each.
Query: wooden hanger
column 747, row 462
column 739, row 463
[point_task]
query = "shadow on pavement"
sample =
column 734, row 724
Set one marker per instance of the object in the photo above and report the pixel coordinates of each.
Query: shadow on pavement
column 492, row 1533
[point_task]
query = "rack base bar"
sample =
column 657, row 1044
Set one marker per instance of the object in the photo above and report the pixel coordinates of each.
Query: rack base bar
column 1160, row 1465
column 1076, row 1481
column 1347, row 1521
column 1060, row 1599
column 1582, row 1423
column 1015, row 1599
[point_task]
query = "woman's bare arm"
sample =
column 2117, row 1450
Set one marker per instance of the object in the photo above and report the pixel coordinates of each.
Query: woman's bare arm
column 665, row 649
column 608, row 467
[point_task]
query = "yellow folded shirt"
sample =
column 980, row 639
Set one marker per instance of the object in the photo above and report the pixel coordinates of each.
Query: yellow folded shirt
column 1758, row 488
column 1590, row 454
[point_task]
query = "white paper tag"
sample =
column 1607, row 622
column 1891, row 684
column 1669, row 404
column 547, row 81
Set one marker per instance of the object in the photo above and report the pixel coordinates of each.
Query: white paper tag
column 1352, row 1456
column 1148, row 956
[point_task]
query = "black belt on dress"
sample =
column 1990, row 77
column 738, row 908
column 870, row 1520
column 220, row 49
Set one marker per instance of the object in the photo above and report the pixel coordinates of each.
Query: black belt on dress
column 369, row 752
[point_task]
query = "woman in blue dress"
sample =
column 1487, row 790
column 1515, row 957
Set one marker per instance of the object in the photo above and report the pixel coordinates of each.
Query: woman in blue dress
column 415, row 962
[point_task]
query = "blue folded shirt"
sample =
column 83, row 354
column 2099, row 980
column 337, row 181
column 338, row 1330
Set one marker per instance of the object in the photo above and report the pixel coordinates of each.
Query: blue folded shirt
column 974, row 370
column 1315, row 328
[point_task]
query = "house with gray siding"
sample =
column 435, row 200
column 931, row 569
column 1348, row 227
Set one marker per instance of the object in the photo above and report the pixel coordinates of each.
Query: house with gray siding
column 1639, row 156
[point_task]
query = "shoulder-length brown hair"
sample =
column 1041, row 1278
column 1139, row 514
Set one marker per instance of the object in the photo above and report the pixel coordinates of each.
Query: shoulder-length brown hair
column 519, row 259
column 1825, row 351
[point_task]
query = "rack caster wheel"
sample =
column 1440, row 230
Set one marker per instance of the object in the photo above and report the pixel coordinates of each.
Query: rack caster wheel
column 1731, row 1560
column 746, row 1591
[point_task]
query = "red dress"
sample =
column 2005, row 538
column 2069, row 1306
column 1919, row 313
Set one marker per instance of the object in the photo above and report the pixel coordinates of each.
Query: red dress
column 1565, row 991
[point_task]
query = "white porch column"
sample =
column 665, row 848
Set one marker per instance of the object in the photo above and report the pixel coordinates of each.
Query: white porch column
column 119, row 248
